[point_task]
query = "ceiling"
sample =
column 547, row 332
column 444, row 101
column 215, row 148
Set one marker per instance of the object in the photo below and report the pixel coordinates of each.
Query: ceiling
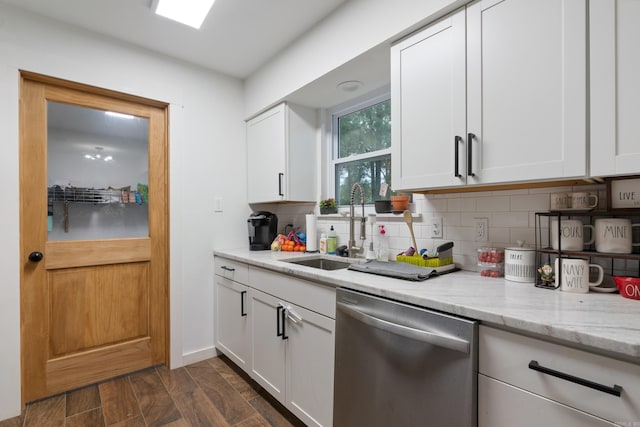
column 236, row 38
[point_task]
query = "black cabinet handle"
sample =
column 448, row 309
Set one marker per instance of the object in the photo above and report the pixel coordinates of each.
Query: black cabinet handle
column 616, row 390
column 283, row 313
column 280, row 176
column 278, row 317
column 456, row 141
column 470, row 138
column 224, row 267
column 242, row 312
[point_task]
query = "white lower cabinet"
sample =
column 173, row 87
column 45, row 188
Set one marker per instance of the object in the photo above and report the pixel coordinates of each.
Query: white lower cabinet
column 530, row 382
column 232, row 321
column 293, row 356
column 280, row 330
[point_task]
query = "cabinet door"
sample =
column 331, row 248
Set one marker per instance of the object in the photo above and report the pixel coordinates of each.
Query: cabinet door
column 502, row 405
column 266, row 144
column 268, row 349
column 232, row 321
column 526, row 89
column 428, row 103
column 310, row 354
column 615, row 88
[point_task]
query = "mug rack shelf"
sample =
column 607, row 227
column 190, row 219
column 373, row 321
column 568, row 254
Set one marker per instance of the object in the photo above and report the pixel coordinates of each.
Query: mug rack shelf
column 545, row 254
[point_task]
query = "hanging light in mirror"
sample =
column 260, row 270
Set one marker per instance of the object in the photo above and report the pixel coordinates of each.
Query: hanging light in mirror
column 98, row 155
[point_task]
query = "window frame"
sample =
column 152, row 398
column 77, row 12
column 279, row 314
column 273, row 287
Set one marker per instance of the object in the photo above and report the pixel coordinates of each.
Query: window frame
column 367, row 100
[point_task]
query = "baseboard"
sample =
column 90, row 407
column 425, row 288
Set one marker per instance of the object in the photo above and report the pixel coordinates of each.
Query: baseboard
column 199, row 355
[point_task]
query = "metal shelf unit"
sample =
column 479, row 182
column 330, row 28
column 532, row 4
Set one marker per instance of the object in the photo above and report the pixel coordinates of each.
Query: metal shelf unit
column 546, row 254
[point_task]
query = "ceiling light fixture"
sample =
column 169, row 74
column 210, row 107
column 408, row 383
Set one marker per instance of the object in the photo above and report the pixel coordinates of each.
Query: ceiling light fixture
column 119, row 115
column 350, row 85
column 188, row 12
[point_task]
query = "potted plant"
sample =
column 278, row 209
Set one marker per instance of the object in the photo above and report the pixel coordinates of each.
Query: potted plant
column 328, row 206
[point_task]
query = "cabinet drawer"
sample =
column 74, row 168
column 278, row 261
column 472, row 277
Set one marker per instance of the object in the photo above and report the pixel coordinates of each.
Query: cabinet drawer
column 310, row 295
column 506, row 356
column 502, row 405
column 234, row 270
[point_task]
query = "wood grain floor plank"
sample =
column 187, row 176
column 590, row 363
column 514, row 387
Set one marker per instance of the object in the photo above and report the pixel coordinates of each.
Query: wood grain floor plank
column 82, row 400
column 198, row 410
column 92, row 418
column 227, row 399
column 276, row 414
column 234, row 376
column 131, row 422
column 119, row 403
column 13, row 422
column 46, row 413
column 255, row 421
column 158, row 409
column 177, row 380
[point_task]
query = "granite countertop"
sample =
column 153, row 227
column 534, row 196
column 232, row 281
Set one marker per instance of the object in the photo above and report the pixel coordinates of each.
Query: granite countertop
column 602, row 322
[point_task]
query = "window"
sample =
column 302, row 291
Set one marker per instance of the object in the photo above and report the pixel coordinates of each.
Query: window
column 362, row 148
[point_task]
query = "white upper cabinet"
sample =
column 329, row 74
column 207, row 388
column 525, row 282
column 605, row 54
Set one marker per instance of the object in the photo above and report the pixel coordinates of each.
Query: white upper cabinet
column 614, row 87
column 281, row 152
column 428, row 104
column 524, row 81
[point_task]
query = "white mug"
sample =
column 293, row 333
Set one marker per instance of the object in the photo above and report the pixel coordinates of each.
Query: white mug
column 572, row 232
column 614, row 235
column 575, row 275
column 559, row 201
column 583, row 200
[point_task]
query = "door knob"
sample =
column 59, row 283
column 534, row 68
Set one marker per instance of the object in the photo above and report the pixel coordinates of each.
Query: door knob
column 36, row 256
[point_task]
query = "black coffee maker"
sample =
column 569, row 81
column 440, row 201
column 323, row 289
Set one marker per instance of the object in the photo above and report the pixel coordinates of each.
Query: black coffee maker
column 263, row 228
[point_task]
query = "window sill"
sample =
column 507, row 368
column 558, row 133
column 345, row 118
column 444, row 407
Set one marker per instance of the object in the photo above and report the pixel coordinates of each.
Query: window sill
column 384, row 216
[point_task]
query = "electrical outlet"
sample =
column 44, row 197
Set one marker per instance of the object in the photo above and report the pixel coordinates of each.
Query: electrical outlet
column 481, row 229
column 436, row 228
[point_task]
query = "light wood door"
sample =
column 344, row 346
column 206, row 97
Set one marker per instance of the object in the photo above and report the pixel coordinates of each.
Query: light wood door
column 97, row 308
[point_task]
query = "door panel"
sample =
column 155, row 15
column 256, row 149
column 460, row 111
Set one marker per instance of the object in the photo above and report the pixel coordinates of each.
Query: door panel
column 95, row 308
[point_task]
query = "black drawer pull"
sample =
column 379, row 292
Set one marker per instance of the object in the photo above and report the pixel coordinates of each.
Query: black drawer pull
column 242, row 312
column 616, row 390
column 470, row 138
column 224, row 267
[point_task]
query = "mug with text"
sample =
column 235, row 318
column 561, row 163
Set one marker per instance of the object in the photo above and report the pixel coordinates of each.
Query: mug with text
column 559, row 201
column 575, row 275
column 583, row 200
column 571, row 235
column 614, row 235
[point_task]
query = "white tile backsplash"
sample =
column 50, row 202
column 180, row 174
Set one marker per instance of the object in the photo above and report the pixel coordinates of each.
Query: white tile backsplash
column 511, row 215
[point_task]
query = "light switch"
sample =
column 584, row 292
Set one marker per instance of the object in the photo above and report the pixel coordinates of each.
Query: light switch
column 217, row 204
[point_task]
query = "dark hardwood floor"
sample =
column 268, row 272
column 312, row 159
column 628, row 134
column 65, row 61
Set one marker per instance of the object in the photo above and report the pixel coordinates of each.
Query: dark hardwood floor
column 213, row 392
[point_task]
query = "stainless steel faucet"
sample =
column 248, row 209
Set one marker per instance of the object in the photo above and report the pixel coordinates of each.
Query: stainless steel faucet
column 353, row 249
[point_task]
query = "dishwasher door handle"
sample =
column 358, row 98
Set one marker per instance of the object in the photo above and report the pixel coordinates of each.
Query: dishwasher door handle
column 437, row 339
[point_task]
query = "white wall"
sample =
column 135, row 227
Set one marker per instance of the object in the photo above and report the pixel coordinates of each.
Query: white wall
column 356, row 27
column 207, row 160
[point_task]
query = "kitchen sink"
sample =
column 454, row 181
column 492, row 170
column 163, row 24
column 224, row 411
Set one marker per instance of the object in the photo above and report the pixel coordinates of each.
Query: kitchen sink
column 321, row 263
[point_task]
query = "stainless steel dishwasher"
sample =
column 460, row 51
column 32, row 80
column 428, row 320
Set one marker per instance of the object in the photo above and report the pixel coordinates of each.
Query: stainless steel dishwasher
column 402, row 365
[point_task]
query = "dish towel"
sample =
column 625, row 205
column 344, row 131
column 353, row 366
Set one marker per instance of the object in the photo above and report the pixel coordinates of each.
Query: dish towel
column 398, row 270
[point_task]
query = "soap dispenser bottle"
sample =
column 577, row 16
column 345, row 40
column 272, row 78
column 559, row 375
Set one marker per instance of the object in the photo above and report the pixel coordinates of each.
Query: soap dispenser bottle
column 332, row 241
column 383, row 244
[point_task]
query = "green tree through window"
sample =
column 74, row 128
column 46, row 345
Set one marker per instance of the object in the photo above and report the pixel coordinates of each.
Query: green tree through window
column 363, row 151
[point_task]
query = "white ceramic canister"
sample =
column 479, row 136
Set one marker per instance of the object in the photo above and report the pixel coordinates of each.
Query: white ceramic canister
column 520, row 265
